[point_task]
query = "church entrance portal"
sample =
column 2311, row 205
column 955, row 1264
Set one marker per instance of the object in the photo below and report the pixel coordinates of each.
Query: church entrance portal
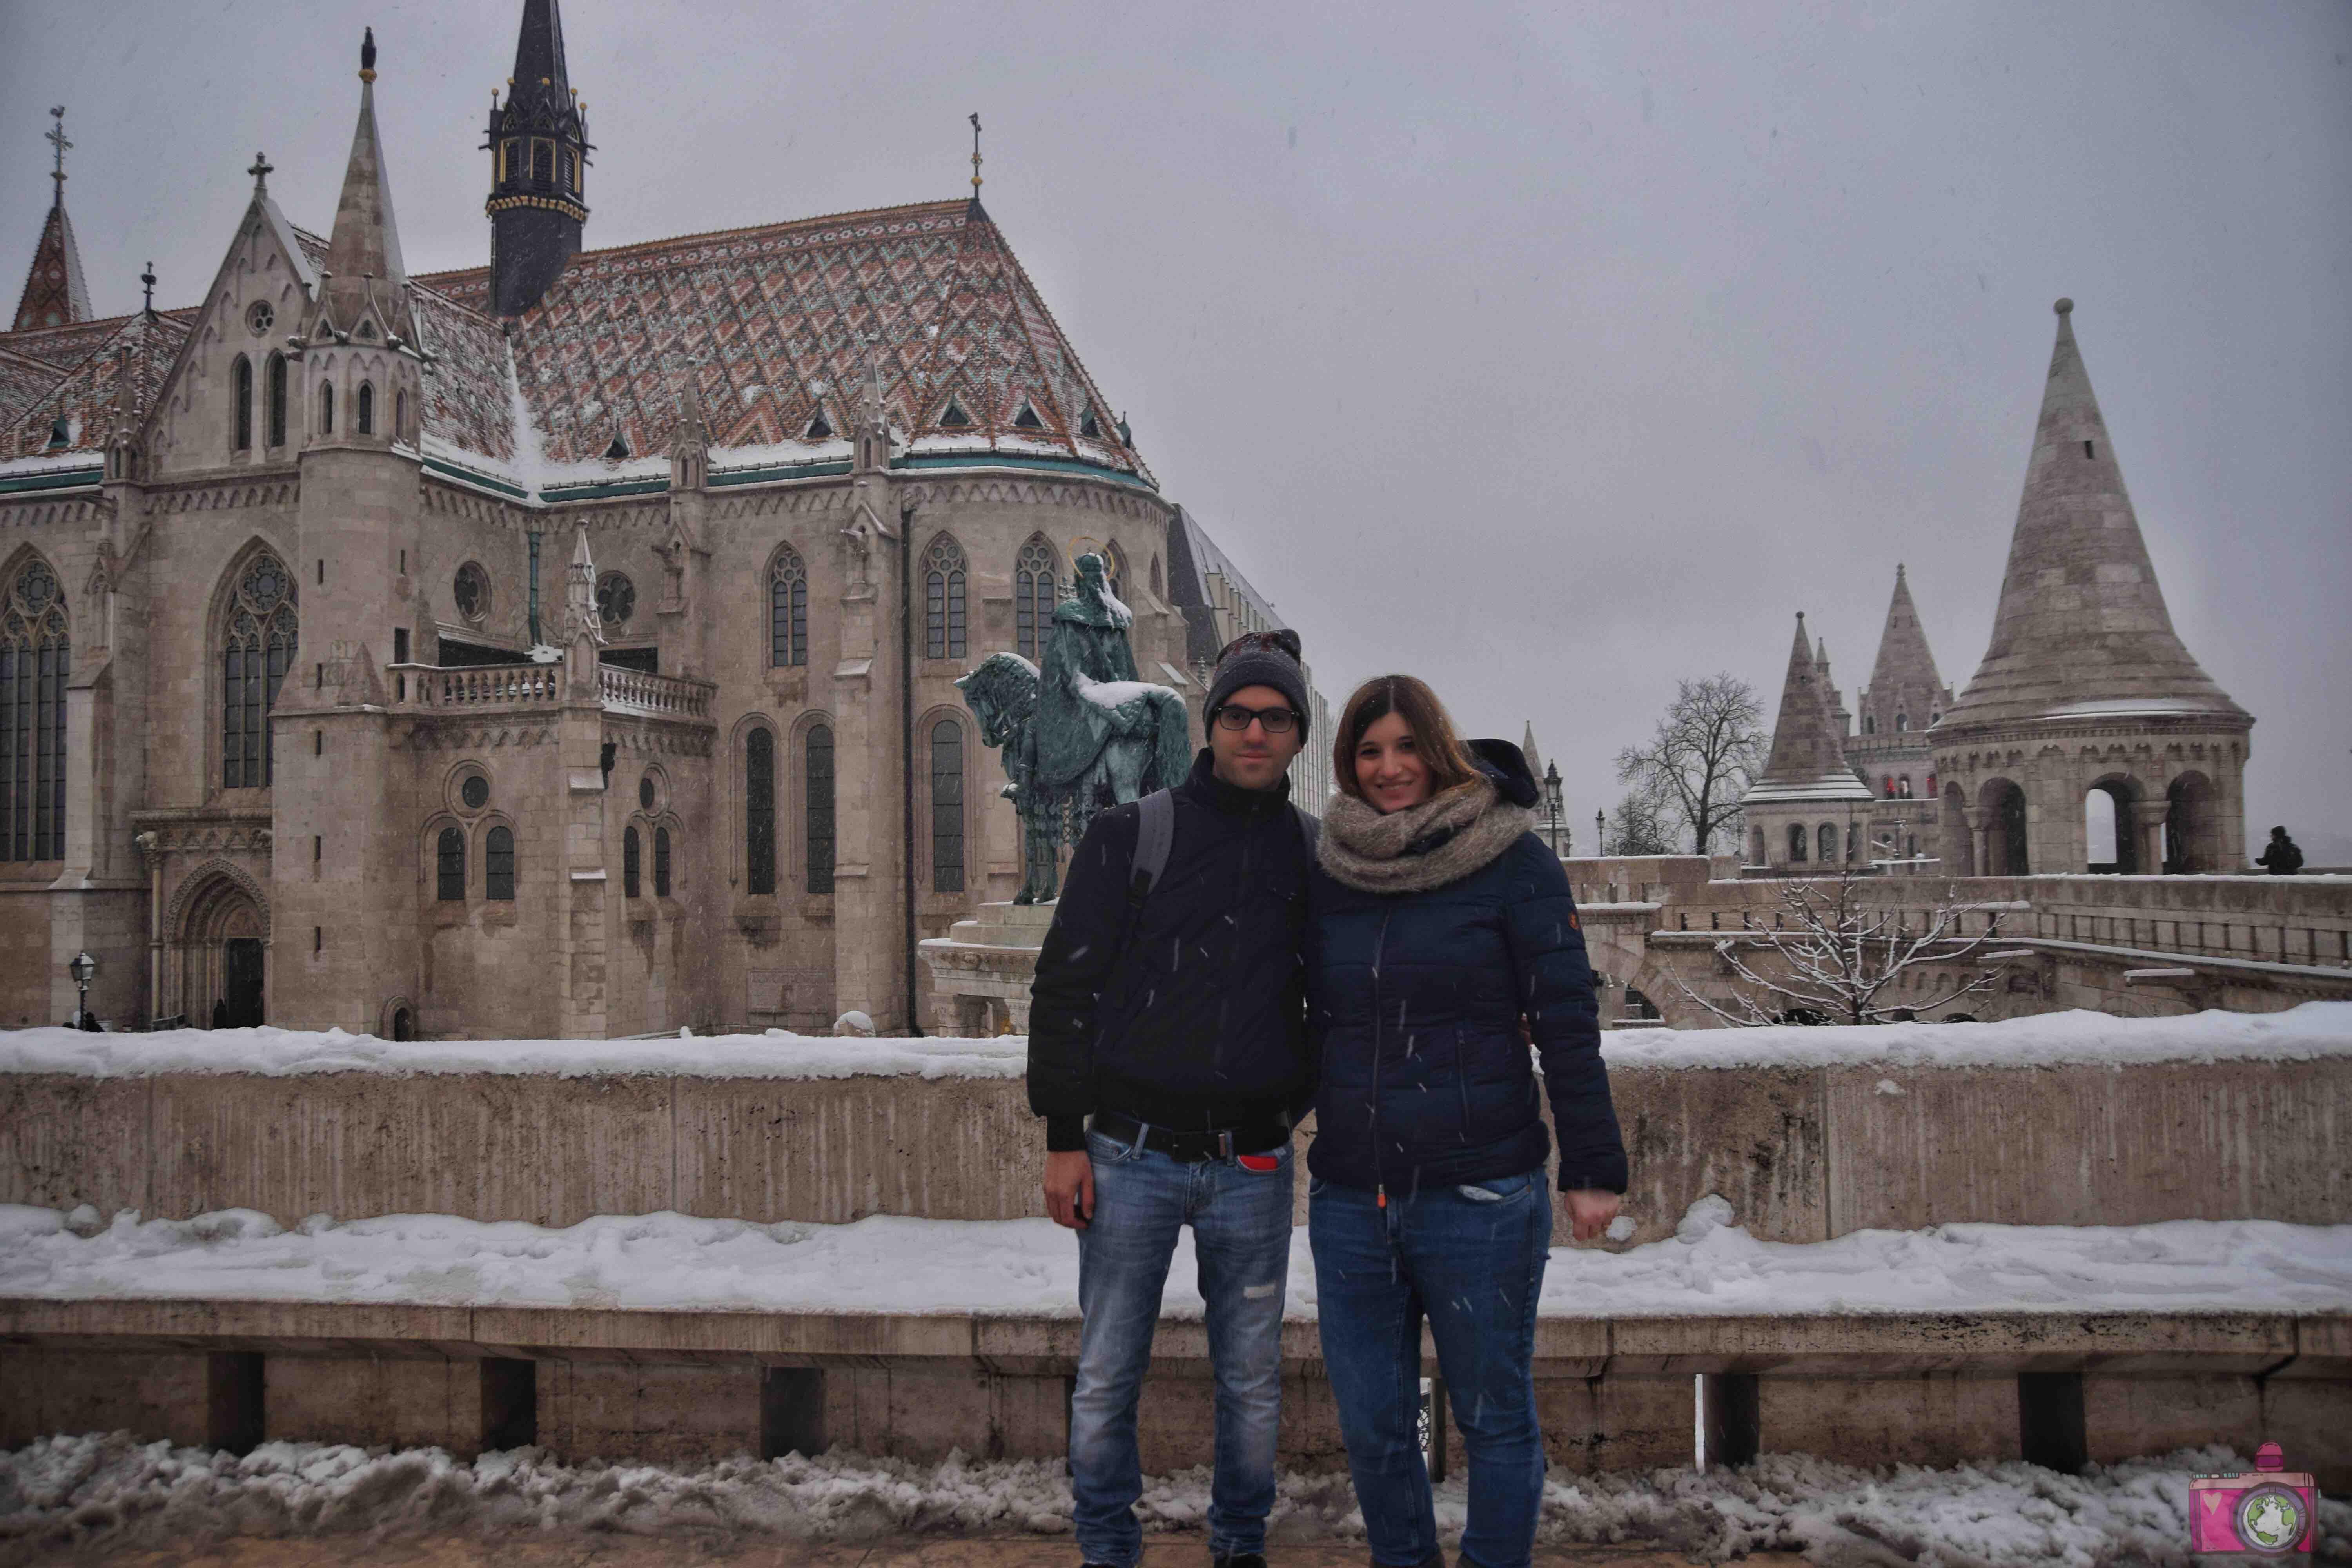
column 241, row 981
column 221, row 952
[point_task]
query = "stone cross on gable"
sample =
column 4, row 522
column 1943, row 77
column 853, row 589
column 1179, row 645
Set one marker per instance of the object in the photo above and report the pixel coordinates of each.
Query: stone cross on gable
column 260, row 171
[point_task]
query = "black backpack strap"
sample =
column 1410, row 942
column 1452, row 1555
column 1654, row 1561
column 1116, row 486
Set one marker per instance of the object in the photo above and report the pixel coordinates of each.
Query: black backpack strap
column 1155, row 834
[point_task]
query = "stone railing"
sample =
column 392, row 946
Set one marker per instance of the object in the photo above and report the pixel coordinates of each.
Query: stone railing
column 476, row 689
column 494, row 688
column 661, row 696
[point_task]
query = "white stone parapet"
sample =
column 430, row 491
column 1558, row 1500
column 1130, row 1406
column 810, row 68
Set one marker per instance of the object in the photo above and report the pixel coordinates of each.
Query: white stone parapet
column 509, row 687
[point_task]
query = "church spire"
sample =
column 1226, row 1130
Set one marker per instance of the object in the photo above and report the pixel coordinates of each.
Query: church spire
column 1808, row 760
column 2082, row 627
column 367, row 279
column 539, row 156
column 1904, row 693
column 55, row 292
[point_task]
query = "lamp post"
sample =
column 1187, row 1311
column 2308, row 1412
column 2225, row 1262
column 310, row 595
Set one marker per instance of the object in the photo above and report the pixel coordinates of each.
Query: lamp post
column 1551, row 803
column 82, row 967
column 1601, row 833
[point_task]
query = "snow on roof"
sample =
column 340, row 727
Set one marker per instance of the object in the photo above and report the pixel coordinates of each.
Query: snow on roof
column 778, row 323
column 1710, row 1266
column 83, row 374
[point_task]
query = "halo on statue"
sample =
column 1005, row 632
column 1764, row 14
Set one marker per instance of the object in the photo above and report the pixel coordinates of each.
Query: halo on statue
column 1087, row 544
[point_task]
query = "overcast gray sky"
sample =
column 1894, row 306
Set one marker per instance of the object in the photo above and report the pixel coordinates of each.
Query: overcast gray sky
column 1550, row 353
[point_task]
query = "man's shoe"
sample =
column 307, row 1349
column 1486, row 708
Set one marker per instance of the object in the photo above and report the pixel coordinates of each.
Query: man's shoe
column 1238, row 1560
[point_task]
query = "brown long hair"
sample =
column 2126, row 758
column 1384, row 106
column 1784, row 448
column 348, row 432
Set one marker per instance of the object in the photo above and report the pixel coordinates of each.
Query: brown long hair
column 1433, row 736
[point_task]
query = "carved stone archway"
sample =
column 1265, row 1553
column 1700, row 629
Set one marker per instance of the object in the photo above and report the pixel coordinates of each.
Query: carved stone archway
column 217, row 929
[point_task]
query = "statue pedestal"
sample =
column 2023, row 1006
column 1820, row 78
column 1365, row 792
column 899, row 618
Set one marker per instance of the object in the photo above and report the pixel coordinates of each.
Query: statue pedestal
column 981, row 969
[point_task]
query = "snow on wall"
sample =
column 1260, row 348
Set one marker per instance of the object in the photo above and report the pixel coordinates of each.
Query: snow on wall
column 891, row 1264
column 2312, row 1032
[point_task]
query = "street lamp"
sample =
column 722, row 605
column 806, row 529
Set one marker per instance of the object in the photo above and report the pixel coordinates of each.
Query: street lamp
column 82, row 967
column 1551, row 803
column 1601, row 833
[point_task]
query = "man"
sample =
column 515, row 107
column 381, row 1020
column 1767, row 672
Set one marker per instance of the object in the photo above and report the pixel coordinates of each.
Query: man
column 2280, row 854
column 1167, row 1053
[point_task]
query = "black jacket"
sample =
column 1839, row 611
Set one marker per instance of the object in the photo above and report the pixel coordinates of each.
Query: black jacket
column 1196, row 1018
column 1415, row 1003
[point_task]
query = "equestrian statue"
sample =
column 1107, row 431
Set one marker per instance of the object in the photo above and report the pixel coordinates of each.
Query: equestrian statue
column 1083, row 735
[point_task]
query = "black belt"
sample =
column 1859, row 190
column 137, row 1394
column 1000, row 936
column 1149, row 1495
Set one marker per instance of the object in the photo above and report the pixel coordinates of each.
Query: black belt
column 1218, row 1143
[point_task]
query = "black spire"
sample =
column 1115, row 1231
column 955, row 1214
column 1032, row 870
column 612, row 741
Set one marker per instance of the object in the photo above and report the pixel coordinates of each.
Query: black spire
column 539, row 157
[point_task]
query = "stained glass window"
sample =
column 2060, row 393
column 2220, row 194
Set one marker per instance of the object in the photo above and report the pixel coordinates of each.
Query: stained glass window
column 367, row 408
column 661, row 862
column 787, row 610
column 451, row 854
column 943, row 599
column 256, row 652
column 760, row 811
column 616, row 599
column 35, row 655
column 947, row 806
column 241, row 389
column 1034, row 593
column 629, row 861
column 498, row 865
column 276, row 392
column 818, row 749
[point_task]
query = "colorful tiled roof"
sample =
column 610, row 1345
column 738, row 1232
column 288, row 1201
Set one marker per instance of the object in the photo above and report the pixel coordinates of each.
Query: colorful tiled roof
column 778, row 323
column 82, row 380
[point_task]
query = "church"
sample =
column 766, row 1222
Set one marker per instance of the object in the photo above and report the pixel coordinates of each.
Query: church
column 602, row 608
column 2090, row 740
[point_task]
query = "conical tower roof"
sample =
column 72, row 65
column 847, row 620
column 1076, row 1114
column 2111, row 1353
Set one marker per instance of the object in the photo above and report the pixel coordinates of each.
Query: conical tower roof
column 1903, row 683
column 56, row 294
column 2082, row 631
column 364, row 252
column 1527, row 747
column 1808, row 760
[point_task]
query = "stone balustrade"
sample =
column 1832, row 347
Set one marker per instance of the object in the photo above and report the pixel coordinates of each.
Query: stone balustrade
column 657, row 696
column 508, row 688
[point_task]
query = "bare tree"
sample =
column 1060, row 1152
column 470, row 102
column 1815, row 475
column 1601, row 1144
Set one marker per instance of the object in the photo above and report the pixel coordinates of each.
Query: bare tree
column 1708, row 747
column 1836, row 958
column 1643, row 823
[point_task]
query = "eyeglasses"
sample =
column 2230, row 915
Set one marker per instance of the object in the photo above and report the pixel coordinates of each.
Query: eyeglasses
column 1277, row 721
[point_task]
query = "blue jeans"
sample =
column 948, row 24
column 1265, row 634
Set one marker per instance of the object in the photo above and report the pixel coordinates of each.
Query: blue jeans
column 1241, row 1235
column 1473, row 1266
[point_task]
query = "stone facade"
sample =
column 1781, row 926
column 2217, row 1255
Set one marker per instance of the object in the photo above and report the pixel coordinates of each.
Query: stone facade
column 583, row 672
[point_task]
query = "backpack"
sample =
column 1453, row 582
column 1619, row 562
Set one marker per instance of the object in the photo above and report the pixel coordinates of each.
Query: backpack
column 1155, row 835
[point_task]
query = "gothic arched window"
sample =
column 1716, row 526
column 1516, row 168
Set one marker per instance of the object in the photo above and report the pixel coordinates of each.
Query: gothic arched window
column 498, row 865
column 256, row 652
column 1902, row 723
column 367, row 408
column 542, row 161
column 276, row 389
column 787, row 610
column 1796, row 842
column 760, row 811
column 661, row 862
column 631, row 878
column 818, row 753
column 450, row 854
column 947, row 806
column 34, row 657
column 241, row 389
column 326, row 411
column 1826, row 847
column 400, row 415
column 1114, row 569
column 1034, row 592
column 943, row 612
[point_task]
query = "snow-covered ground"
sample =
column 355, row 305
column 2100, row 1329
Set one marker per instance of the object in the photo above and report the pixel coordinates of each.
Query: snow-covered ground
column 97, row 1492
column 2307, row 1033
column 888, row 1264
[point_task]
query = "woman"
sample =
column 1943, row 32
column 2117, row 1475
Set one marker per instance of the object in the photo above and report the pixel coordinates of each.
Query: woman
column 1442, row 937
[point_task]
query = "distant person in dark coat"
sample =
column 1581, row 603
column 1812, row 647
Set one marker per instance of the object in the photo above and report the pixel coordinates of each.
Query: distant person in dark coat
column 1443, row 940
column 220, row 1014
column 2281, row 856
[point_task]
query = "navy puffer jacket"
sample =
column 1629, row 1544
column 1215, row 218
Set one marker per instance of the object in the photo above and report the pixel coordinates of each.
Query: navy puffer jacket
column 1414, row 1003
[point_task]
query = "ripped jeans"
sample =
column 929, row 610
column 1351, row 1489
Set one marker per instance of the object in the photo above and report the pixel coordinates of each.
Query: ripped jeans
column 1241, row 1235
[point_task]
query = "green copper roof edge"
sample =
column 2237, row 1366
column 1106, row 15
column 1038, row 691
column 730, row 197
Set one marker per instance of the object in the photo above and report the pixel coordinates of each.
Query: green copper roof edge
column 1021, row 460
column 53, row 479
column 599, row 490
column 475, row 476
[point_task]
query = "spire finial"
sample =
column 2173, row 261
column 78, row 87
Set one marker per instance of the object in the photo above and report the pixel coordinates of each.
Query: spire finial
column 56, row 137
column 367, row 55
column 260, row 172
column 2065, row 306
column 148, row 277
column 975, row 155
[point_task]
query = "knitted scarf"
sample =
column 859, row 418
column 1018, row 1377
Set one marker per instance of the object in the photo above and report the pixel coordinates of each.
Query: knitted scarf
column 1442, row 840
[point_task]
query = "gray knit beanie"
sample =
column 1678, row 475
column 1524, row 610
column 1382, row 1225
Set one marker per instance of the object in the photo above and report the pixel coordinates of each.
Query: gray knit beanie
column 1261, row 659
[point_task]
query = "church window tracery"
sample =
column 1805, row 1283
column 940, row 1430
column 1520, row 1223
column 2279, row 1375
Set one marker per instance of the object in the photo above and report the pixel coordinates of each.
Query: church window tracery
column 471, row 590
column 817, row 751
column 661, row 862
column 241, row 389
column 449, row 855
column 257, row 651
column 616, row 598
column 1034, row 590
column 947, row 806
column 943, row 599
column 631, row 880
column 499, row 864
column 760, row 811
column 33, row 658
column 787, row 610
column 366, row 424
